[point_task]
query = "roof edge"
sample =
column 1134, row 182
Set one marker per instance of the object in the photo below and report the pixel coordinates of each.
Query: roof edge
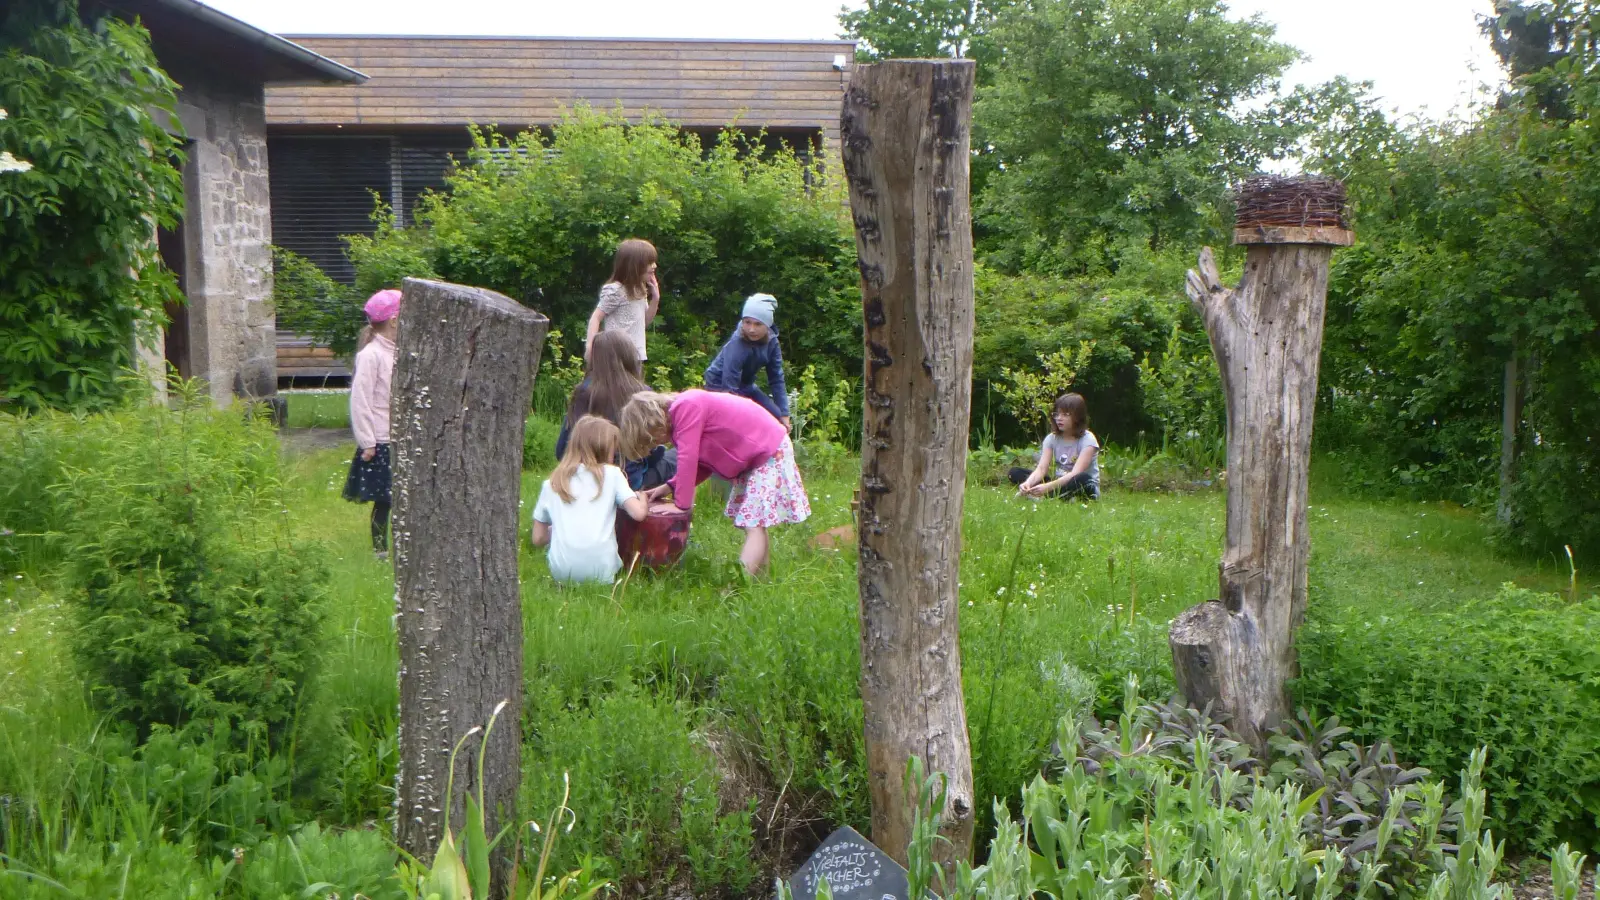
column 830, row 42
column 331, row 70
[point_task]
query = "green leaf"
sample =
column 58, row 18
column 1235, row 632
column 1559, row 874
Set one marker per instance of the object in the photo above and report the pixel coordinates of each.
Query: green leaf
column 475, row 848
column 448, row 877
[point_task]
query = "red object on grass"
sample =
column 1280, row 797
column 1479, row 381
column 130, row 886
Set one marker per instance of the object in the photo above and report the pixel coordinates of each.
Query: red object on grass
column 659, row 539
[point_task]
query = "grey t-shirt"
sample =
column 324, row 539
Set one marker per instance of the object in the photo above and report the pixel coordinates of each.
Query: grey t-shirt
column 1064, row 452
column 624, row 314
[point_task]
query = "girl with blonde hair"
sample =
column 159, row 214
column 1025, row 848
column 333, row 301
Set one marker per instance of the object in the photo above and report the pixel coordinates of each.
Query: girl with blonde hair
column 733, row 437
column 576, row 515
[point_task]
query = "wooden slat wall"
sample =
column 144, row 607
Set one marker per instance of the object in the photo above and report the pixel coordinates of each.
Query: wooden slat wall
column 434, row 81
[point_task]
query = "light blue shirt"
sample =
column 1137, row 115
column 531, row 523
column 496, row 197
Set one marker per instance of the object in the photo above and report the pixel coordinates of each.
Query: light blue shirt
column 583, row 533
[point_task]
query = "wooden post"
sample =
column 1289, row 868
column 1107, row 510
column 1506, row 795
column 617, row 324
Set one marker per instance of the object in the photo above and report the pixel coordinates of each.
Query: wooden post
column 906, row 133
column 1238, row 653
column 463, row 382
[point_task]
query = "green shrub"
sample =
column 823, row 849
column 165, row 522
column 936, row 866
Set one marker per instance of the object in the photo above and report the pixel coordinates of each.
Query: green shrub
column 539, row 443
column 1182, row 392
column 1518, row 673
column 1164, row 809
column 192, row 599
column 317, row 862
column 644, row 788
column 1163, row 801
column 80, row 277
column 1126, row 316
column 539, row 218
column 33, row 450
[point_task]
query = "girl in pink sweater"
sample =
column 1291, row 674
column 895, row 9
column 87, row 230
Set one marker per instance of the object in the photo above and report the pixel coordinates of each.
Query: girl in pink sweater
column 731, row 436
column 369, row 477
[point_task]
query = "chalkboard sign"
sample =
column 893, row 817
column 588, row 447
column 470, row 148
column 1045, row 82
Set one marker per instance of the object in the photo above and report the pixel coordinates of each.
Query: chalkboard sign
column 855, row 869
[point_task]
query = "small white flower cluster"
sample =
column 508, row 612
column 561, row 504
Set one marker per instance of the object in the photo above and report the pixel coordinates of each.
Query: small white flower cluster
column 9, row 163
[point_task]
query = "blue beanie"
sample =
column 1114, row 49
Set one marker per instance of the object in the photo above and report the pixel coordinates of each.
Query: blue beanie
column 761, row 308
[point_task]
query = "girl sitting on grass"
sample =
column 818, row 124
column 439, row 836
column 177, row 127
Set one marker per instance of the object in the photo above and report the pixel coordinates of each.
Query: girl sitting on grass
column 732, row 437
column 576, row 515
column 1074, row 451
column 753, row 347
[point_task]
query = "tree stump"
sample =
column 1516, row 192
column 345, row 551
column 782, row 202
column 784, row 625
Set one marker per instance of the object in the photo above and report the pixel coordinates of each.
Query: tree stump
column 906, row 133
column 1237, row 653
column 463, row 383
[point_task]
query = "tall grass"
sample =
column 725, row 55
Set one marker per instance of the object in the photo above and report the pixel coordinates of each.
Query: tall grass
column 711, row 725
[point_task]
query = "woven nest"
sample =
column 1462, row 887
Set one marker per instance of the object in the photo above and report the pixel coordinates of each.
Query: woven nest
column 1276, row 201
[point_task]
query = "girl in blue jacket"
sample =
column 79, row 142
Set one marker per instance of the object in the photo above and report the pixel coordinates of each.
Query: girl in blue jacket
column 754, row 346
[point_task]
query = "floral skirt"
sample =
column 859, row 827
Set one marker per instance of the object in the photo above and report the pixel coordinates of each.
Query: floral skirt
column 368, row 481
column 770, row 494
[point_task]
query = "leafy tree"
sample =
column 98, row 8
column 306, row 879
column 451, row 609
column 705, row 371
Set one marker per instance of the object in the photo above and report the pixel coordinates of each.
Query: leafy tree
column 80, row 277
column 1479, row 248
column 1531, row 37
column 1122, row 120
column 890, row 29
column 9, row 163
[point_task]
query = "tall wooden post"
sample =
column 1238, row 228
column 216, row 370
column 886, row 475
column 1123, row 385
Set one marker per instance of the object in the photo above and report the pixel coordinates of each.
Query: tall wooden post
column 463, row 383
column 1238, row 652
column 906, row 134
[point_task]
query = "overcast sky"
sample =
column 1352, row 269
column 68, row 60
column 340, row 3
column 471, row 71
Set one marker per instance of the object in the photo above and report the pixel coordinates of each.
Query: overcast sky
column 1424, row 56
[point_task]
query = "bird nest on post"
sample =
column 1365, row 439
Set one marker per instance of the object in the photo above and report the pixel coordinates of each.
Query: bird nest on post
column 1273, row 209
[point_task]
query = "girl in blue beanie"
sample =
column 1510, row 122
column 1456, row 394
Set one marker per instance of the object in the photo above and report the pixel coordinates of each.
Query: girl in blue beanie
column 754, row 346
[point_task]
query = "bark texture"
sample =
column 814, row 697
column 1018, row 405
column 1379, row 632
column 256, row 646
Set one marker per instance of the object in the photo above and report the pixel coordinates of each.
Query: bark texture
column 463, row 382
column 906, row 134
column 1236, row 653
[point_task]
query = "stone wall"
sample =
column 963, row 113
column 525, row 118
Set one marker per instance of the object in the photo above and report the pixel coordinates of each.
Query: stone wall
column 227, row 236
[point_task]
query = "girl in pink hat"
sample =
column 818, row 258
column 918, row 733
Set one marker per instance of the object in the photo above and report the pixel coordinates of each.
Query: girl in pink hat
column 369, row 477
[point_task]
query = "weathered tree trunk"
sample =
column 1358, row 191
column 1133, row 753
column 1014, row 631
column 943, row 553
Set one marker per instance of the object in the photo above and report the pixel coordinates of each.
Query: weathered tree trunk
column 906, row 132
column 1510, row 415
column 1237, row 653
column 463, row 382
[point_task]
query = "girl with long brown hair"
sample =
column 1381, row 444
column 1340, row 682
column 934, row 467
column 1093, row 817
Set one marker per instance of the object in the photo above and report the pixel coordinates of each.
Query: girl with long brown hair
column 629, row 301
column 576, row 515
column 1072, row 449
column 612, row 378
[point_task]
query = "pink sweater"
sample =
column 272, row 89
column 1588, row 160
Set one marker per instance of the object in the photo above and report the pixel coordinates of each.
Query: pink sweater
column 369, row 392
column 722, row 433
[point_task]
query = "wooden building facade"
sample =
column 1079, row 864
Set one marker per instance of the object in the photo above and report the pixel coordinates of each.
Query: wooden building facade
column 334, row 148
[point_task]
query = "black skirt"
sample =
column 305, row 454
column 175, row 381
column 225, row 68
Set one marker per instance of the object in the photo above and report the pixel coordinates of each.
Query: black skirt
column 368, row 481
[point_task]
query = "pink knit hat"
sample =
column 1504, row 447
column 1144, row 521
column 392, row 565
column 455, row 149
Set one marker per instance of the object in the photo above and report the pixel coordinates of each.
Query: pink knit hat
column 383, row 306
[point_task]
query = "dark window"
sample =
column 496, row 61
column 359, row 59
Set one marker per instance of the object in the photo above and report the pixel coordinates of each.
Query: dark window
column 322, row 188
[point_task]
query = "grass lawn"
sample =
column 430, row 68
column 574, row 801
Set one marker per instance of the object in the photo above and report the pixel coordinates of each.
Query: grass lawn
column 695, row 676
column 318, row 408
column 711, row 726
